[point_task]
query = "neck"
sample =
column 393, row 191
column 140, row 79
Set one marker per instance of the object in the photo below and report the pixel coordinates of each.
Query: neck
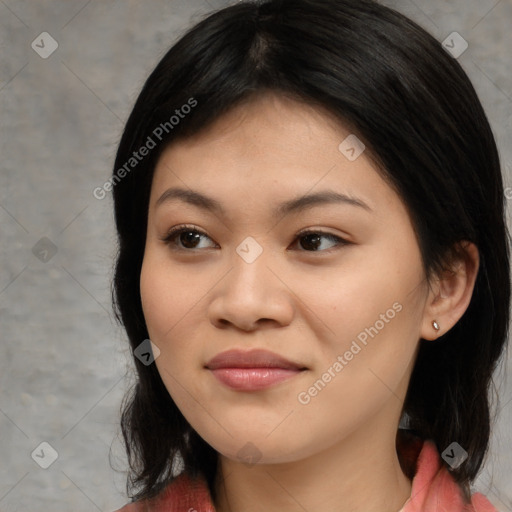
column 359, row 473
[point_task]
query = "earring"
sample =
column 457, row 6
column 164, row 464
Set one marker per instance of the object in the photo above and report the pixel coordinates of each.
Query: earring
column 435, row 325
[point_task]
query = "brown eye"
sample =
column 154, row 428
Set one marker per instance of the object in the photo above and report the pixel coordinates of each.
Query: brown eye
column 311, row 241
column 189, row 239
column 184, row 238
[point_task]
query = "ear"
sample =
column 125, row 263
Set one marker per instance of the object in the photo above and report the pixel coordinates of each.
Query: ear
column 450, row 293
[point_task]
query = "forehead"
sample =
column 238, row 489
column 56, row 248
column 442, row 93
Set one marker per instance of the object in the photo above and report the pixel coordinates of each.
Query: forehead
column 270, row 146
column 268, row 121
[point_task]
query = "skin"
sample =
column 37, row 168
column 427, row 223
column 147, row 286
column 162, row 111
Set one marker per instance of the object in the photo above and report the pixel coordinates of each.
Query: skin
column 336, row 452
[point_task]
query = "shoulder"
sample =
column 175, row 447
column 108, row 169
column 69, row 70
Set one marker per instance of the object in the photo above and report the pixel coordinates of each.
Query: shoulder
column 434, row 485
column 131, row 507
column 183, row 494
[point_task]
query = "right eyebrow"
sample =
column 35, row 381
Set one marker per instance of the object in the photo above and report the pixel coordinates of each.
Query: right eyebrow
column 191, row 197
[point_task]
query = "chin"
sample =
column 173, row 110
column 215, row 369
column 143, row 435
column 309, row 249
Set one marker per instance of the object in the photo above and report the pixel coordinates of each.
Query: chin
column 256, row 449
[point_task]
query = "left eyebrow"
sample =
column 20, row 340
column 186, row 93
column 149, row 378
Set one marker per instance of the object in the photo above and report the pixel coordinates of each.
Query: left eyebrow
column 204, row 202
column 317, row 199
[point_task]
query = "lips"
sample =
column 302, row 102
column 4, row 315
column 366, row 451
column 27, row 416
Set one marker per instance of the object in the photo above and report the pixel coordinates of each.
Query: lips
column 252, row 370
column 251, row 359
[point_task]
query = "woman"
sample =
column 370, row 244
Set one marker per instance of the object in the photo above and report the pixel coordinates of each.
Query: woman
column 311, row 228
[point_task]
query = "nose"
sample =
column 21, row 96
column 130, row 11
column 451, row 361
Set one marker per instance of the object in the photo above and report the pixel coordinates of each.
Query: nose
column 251, row 296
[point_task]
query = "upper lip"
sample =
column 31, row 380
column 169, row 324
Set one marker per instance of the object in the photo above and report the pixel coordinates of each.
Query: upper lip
column 256, row 358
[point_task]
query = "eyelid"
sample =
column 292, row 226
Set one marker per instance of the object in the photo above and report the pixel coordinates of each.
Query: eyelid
column 340, row 241
column 177, row 230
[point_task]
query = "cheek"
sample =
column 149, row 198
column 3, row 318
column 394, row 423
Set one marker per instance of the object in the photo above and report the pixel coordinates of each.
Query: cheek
column 168, row 297
column 365, row 362
column 157, row 301
column 173, row 311
column 343, row 302
column 368, row 312
column 165, row 306
column 171, row 305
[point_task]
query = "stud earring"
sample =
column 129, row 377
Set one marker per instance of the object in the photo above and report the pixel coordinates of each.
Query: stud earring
column 435, row 325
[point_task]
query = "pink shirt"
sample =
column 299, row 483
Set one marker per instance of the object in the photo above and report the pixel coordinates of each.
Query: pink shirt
column 433, row 490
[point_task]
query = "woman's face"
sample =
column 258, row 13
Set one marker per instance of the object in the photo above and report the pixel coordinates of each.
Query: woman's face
column 344, row 304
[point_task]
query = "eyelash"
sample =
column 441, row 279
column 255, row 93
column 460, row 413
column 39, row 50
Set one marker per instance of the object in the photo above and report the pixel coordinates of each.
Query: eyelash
column 178, row 230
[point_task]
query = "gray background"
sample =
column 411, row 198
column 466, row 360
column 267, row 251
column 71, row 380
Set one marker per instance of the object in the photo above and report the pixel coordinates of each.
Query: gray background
column 64, row 362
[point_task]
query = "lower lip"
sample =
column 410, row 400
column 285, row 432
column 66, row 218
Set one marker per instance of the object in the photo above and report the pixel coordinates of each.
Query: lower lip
column 253, row 379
